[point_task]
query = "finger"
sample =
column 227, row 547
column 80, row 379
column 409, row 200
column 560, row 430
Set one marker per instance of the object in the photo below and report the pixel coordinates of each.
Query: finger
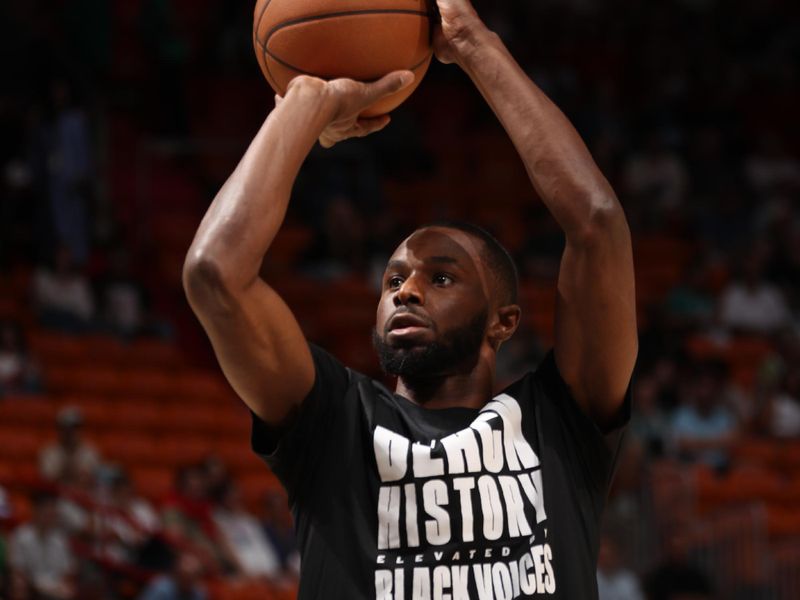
column 388, row 84
column 373, row 123
column 370, row 128
column 278, row 99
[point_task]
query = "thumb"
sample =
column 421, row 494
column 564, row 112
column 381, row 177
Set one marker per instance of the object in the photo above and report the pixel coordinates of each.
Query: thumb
column 388, row 84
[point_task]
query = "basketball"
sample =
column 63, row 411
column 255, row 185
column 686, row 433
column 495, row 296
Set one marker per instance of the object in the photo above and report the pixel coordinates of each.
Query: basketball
column 359, row 39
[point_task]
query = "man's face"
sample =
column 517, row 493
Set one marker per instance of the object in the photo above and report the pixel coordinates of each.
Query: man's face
column 434, row 305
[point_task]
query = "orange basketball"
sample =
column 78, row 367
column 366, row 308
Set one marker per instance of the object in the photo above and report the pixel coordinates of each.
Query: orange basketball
column 360, row 39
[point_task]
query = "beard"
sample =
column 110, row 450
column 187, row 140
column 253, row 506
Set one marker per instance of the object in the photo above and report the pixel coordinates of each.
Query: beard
column 454, row 351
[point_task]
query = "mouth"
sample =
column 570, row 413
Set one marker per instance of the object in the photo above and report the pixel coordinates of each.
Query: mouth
column 407, row 325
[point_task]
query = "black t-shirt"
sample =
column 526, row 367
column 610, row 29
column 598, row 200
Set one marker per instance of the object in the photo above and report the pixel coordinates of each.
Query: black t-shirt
column 393, row 501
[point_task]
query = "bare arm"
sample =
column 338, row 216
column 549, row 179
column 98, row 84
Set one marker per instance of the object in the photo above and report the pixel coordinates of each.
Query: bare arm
column 596, row 339
column 255, row 336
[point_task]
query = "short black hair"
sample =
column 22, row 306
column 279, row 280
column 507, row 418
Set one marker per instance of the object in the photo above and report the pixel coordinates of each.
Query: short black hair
column 496, row 257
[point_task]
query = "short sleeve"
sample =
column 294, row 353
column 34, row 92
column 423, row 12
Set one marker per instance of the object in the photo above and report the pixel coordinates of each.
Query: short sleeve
column 293, row 450
column 595, row 451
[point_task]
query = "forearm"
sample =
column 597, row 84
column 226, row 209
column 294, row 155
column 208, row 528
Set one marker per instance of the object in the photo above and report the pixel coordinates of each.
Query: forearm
column 247, row 213
column 558, row 163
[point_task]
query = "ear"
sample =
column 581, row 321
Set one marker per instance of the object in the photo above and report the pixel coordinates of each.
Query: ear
column 504, row 325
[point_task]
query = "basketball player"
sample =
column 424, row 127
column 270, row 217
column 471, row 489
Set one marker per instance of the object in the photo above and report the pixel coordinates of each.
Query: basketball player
column 441, row 489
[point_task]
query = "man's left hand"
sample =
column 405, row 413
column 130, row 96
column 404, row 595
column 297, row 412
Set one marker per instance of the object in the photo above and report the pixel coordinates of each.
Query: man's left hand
column 453, row 38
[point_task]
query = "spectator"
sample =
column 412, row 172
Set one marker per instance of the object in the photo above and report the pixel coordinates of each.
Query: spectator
column 18, row 372
column 649, row 423
column 125, row 303
column 63, row 296
column 253, row 551
column 70, row 454
column 690, row 305
column 279, row 529
column 69, row 169
column 218, row 477
column 77, row 500
column 751, row 304
column 771, row 166
column 704, row 427
column 39, row 552
column 656, row 174
column 130, row 526
column 189, row 524
column 614, row 580
column 780, row 415
column 184, row 583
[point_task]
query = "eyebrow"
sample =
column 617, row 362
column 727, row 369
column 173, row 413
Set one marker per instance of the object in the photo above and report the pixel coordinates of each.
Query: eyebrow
column 446, row 260
column 439, row 260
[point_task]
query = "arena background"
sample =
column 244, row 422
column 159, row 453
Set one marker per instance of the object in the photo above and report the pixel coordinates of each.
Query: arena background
column 120, row 120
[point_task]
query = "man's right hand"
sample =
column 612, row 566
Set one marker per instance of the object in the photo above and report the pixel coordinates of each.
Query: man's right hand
column 346, row 99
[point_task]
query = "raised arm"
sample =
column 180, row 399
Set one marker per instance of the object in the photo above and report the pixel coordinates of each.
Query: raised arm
column 255, row 336
column 596, row 339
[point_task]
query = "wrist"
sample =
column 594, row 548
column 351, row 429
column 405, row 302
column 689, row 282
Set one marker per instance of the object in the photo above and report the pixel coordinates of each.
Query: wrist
column 474, row 44
column 312, row 94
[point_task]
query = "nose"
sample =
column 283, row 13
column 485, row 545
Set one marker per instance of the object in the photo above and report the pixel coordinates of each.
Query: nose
column 409, row 293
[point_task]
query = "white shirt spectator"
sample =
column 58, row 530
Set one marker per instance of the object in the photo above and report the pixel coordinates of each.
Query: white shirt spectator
column 249, row 543
column 55, row 460
column 43, row 557
column 758, row 309
column 67, row 294
column 619, row 585
column 785, row 416
column 661, row 173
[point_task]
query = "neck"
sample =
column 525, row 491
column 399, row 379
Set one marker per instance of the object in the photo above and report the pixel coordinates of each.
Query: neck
column 459, row 390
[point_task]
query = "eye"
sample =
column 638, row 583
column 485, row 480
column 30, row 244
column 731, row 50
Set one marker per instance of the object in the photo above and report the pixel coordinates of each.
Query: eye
column 442, row 279
column 394, row 282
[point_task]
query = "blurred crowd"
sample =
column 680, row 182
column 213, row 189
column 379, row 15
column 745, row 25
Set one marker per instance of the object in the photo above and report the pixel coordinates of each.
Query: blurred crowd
column 92, row 536
column 689, row 107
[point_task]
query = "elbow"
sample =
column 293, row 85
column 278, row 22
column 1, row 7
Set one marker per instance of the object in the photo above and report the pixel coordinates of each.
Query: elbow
column 205, row 282
column 604, row 221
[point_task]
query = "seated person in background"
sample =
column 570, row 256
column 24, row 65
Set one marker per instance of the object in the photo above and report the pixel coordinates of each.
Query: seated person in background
column 39, row 552
column 63, row 296
column 703, row 428
column 280, row 531
column 218, row 476
column 184, row 583
column 77, row 501
column 249, row 544
column 70, row 453
column 189, row 525
column 751, row 304
column 615, row 581
column 18, row 372
column 779, row 412
column 690, row 305
column 124, row 303
column 129, row 523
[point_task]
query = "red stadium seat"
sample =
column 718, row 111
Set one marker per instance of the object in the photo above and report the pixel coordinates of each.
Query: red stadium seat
column 152, row 482
column 129, row 449
column 21, row 444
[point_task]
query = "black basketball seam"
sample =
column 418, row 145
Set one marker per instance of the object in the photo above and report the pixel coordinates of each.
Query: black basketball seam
column 257, row 21
column 302, row 72
column 256, row 24
column 325, row 16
